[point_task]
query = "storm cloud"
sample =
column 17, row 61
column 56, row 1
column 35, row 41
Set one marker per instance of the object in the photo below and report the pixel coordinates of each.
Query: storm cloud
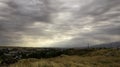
column 59, row 23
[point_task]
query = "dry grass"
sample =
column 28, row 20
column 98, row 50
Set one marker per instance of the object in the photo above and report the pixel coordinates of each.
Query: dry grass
column 71, row 61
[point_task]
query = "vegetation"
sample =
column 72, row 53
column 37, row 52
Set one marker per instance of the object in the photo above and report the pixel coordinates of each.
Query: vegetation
column 70, row 61
column 75, row 58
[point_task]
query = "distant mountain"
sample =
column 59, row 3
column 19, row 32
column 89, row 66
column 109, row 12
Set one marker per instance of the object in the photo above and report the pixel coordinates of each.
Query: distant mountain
column 107, row 45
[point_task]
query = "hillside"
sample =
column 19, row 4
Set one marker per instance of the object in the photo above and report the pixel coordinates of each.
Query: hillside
column 97, row 58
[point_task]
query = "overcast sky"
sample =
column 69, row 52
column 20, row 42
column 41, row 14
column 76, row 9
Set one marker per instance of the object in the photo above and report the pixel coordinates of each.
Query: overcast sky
column 59, row 23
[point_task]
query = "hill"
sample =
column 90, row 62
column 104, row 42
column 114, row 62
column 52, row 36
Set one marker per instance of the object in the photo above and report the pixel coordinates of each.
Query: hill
column 96, row 58
column 108, row 45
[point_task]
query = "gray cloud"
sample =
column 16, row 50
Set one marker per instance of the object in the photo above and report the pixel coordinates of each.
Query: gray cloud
column 16, row 16
column 105, row 23
column 63, row 23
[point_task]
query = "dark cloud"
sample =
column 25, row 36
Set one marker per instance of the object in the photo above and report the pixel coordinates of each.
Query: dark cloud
column 99, row 7
column 60, row 23
column 15, row 18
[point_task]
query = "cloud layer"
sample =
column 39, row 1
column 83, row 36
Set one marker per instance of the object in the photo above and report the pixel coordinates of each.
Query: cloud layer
column 59, row 23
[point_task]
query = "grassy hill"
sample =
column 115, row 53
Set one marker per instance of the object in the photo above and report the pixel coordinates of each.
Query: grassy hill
column 94, row 58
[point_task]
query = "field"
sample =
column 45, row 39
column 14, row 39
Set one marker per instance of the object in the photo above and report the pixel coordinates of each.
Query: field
column 97, row 58
column 71, row 61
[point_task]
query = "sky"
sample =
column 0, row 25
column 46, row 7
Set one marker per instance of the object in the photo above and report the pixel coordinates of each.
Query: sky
column 59, row 23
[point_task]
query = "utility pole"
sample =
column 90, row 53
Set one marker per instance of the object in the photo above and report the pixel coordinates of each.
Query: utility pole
column 88, row 45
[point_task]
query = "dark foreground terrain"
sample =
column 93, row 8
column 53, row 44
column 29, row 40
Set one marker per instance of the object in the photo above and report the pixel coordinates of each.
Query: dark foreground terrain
column 56, row 57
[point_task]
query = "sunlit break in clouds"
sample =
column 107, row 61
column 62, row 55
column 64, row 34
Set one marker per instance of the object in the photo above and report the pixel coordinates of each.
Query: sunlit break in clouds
column 59, row 23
